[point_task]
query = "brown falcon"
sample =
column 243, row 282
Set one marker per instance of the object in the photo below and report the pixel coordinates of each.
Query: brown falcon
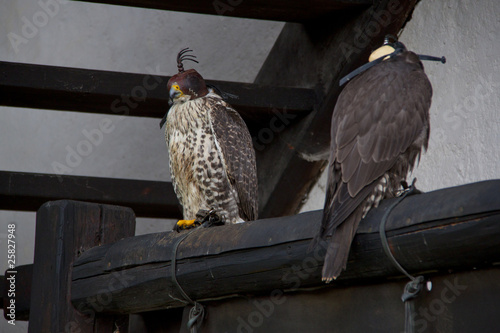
column 212, row 160
column 380, row 125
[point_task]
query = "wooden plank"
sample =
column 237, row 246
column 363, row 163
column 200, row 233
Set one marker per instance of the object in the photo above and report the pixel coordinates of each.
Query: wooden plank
column 315, row 55
column 465, row 302
column 144, row 322
column 64, row 230
column 456, row 228
column 28, row 191
column 165, row 321
column 289, row 11
column 128, row 94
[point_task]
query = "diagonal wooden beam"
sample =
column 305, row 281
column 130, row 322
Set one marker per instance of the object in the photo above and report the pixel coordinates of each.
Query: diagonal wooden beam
column 28, row 191
column 288, row 11
column 315, row 55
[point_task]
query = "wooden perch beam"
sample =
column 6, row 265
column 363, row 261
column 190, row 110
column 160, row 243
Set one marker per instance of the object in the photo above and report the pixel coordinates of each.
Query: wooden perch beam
column 289, row 11
column 28, row 191
column 128, row 94
column 455, row 228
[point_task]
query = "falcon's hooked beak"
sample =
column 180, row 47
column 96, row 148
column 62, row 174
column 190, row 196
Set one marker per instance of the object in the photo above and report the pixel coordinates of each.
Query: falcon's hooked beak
column 175, row 92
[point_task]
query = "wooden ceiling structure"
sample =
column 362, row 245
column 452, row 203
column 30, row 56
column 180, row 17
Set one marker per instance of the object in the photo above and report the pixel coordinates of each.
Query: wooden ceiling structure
column 320, row 43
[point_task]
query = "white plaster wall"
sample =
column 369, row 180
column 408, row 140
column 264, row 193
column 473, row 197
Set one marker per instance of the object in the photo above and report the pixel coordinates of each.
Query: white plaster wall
column 465, row 115
column 86, row 35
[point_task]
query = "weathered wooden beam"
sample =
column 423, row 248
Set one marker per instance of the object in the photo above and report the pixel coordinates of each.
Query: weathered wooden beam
column 144, row 322
column 65, row 229
column 455, row 228
column 128, row 94
column 465, row 302
column 28, row 191
column 289, row 11
column 315, row 55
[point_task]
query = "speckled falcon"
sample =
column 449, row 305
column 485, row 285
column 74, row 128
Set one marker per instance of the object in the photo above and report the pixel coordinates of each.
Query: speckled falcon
column 212, row 160
column 380, row 125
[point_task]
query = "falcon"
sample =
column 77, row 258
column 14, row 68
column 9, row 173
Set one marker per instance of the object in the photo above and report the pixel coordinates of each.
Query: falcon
column 380, row 126
column 212, row 160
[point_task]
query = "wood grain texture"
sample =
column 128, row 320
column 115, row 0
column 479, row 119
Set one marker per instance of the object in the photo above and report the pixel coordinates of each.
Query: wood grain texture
column 64, row 230
column 263, row 255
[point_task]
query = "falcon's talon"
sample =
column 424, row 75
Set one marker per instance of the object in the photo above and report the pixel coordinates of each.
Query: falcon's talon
column 411, row 189
column 204, row 218
column 209, row 218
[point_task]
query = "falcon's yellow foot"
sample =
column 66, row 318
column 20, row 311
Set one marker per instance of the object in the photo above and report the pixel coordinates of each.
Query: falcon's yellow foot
column 185, row 224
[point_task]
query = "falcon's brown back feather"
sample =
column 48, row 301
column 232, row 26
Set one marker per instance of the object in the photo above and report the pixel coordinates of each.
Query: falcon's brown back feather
column 235, row 143
column 379, row 126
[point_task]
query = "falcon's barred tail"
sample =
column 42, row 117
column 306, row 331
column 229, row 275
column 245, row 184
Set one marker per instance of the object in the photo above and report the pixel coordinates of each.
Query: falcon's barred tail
column 339, row 246
column 341, row 217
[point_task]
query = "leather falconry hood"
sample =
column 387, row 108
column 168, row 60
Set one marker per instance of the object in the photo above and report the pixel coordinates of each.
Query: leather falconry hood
column 190, row 81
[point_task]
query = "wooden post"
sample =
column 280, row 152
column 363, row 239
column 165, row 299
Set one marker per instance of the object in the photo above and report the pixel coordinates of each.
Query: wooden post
column 64, row 230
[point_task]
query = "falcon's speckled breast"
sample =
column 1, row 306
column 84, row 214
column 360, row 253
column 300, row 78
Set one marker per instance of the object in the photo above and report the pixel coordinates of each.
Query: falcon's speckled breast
column 196, row 164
